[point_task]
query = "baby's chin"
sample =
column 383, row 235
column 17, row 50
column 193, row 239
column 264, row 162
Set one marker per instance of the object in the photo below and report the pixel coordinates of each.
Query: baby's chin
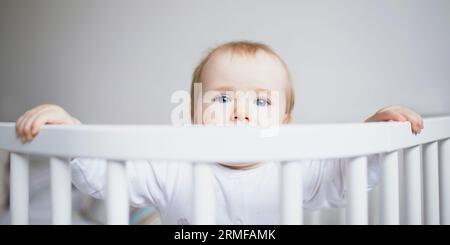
column 241, row 166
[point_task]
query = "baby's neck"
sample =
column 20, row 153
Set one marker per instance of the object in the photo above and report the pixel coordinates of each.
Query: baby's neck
column 241, row 166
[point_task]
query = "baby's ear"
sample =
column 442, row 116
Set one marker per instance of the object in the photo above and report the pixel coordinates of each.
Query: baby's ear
column 287, row 118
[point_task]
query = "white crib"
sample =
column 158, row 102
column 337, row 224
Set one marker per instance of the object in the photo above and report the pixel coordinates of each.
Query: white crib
column 426, row 175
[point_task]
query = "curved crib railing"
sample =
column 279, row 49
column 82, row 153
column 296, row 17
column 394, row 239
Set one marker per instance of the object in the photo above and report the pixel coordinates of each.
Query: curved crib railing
column 426, row 156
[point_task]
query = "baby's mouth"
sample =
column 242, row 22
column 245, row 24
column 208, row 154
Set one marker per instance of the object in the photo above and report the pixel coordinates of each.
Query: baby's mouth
column 241, row 125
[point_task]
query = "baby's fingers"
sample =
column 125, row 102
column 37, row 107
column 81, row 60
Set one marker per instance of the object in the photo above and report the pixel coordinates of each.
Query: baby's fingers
column 33, row 124
column 415, row 120
column 419, row 119
column 30, row 117
column 20, row 125
column 18, row 122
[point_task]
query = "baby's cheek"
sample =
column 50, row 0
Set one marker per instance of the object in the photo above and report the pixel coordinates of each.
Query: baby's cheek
column 217, row 114
column 269, row 116
column 263, row 117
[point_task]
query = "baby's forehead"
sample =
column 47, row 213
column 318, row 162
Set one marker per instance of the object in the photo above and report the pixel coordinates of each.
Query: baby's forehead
column 229, row 57
column 255, row 70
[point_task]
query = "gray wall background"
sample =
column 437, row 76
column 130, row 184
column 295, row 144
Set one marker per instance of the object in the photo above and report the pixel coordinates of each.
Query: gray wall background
column 120, row 61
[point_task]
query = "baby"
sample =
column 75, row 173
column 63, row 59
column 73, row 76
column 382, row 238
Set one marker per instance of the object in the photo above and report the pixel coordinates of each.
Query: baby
column 241, row 83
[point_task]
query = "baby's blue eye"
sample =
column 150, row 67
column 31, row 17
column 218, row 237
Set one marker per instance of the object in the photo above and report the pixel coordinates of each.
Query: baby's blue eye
column 223, row 98
column 262, row 102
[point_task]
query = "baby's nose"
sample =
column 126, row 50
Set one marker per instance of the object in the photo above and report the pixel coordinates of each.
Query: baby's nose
column 241, row 114
column 241, row 119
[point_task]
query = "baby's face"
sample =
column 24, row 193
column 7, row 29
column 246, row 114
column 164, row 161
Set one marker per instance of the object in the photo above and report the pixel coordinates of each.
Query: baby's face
column 244, row 90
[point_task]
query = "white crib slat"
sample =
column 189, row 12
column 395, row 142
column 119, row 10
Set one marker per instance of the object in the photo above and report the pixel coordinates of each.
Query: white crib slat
column 291, row 194
column 357, row 199
column 61, row 188
column 389, row 189
column 444, row 180
column 431, row 183
column 117, row 203
column 20, row 168
column 374, row 206
column 312, row 217
column 203, row 196
column 413, row 193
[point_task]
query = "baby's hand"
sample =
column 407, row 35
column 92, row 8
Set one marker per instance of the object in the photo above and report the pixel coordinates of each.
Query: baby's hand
column 29, row 124
column 400, row 114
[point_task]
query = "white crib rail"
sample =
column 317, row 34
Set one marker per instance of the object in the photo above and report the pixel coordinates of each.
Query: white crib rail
column 200, row 144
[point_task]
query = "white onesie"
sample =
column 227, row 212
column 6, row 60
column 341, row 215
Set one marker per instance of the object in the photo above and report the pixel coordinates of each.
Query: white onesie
column 242, row 196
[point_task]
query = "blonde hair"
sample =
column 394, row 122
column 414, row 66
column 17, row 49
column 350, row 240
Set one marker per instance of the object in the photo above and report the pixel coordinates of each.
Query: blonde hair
column 244, row 48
